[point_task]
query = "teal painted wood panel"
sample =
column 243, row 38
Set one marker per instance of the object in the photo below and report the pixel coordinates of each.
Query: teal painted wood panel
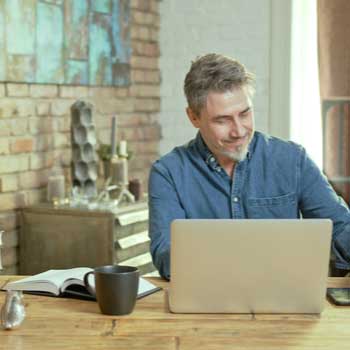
column 100, row 68
column 20, row 68
column 49, row 54
column 77, row 72
column 84, row 42
column 76, row 29
column 103, row 6
column 120, row 31
column 2, row 43
column 20, row 26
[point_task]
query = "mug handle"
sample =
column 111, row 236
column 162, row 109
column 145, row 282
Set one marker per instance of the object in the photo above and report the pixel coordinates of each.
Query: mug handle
column 87, row 284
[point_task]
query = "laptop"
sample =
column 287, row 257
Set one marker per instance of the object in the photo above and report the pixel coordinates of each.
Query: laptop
column 249, row 265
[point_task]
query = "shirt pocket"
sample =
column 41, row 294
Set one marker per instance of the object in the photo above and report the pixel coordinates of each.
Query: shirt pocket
column 284, row 207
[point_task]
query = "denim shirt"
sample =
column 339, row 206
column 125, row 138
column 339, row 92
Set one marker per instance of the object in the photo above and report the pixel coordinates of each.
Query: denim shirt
column 276, row 179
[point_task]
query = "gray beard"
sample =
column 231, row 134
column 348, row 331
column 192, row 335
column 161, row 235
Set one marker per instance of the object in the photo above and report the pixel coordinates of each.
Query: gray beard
column 236, row 156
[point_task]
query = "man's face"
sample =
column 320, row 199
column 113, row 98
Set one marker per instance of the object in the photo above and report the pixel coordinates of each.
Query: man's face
column 226, row 123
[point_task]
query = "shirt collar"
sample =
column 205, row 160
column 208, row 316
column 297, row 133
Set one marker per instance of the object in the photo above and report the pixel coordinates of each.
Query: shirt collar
column 209, row 157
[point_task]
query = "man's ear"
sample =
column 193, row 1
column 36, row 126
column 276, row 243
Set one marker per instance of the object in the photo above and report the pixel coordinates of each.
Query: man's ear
column 193, row 117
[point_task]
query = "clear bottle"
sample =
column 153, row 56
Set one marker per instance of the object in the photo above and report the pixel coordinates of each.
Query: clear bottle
column 56, row 185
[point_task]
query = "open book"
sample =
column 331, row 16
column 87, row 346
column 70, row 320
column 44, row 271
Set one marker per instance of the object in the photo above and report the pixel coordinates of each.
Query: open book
column 69, row 282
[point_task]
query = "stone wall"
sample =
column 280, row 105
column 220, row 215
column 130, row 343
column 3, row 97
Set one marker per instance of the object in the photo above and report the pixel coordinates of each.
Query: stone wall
column 35, row 126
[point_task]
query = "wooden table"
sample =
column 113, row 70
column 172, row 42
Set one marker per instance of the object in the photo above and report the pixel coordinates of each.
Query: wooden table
column 54, row 323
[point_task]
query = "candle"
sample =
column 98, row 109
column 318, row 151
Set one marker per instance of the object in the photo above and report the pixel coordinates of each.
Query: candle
column 122, row 149
column 55, row 188
column 113, row 140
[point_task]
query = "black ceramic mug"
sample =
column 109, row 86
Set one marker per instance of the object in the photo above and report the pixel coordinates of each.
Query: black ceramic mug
column 116, row 288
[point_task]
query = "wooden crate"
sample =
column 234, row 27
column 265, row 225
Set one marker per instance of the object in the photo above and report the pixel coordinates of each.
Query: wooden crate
column 59, row 238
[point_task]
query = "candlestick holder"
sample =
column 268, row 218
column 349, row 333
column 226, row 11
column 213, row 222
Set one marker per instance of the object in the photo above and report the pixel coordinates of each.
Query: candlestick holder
column 119, row 177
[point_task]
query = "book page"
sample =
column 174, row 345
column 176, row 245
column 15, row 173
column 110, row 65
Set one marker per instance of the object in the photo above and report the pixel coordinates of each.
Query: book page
column 49, row 280
column 145, row 288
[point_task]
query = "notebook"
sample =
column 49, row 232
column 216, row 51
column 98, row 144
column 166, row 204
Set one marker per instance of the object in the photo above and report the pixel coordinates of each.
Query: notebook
column 249, row 266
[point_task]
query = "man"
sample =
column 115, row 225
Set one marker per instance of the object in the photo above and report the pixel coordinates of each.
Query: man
column 232, row 171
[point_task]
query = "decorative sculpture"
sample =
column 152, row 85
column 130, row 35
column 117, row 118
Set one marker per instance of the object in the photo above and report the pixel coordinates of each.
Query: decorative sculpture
column 12, row 312
column 84, row 157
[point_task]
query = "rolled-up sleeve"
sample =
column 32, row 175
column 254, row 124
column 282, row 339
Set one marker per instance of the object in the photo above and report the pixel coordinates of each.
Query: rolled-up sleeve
column 164, row 207
column 319, row 200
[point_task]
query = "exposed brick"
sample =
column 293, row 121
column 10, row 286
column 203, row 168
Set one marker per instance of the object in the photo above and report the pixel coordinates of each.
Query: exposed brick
column 145, row 49
column 137, row 76
column 127, row 119
column 9, row 183
column 77, row 92
column 17, row 90
column 8, row 108
column 130, row 134
column 102, row 92
column 145, row 90
column 65, row 157
column 61, row 123
column 147, row 105
column 140, row 32
column 13, row 163
column 154, row 34
column 2, row 90
column 21, row 145
column 143, row 162
column 104, row 135
column 12, row 200
column 112, row 106
column 142, row 5
column 103, row 121
column 9, row 220
column 41, row 160
column 121, row 92
column 4, row 146
column 142, row 147
column 61, row 140
column 152, row 77
column 43, row 108
column 145, row 18
column 144, row 62
column 38, row 125
column 151, row 132
column 42, row 142
column 61, row 107
column 145, row 76
column 33, row 179
column 16, row 107
column 25, row 107
column 154, row 6
column 18, row 126
column 38, row 90
column 36, row 196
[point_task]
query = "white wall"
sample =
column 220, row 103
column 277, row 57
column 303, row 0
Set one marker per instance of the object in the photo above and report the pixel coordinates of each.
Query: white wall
column 251, row 31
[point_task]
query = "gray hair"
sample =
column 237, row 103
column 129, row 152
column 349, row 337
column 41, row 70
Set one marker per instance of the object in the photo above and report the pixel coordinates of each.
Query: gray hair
column 214, row 73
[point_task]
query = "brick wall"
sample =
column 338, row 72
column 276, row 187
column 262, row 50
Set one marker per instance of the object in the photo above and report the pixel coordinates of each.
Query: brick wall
column 35, row 126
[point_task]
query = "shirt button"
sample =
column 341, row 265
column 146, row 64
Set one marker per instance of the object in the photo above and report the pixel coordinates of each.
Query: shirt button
column 235, row 199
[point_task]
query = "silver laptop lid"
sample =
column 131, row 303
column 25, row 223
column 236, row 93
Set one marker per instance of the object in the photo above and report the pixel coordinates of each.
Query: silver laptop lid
column 249, row 266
